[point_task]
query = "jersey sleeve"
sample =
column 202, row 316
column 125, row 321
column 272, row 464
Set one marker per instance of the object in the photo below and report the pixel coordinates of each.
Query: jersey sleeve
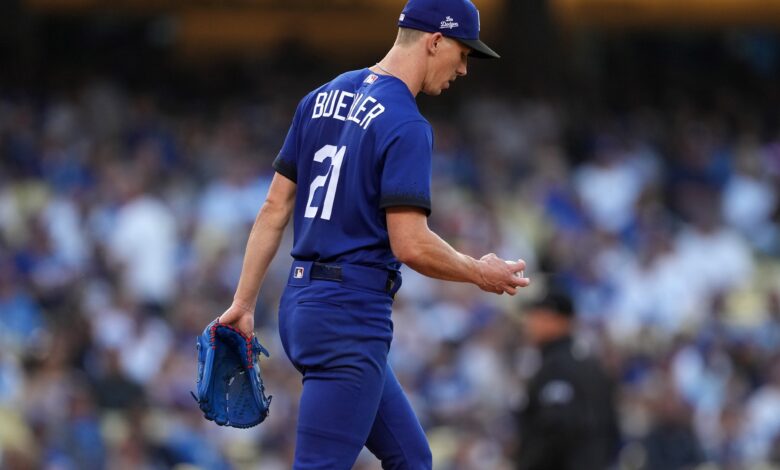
column 286, row 163
column 406, row 174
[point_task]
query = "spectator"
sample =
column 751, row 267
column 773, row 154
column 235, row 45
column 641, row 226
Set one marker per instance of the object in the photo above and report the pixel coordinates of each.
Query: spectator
column 143, row 243
column 671, row 443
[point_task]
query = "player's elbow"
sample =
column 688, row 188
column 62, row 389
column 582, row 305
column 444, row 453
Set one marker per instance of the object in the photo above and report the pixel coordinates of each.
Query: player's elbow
column 277, row 209
column 411, row 251
column 407, row 253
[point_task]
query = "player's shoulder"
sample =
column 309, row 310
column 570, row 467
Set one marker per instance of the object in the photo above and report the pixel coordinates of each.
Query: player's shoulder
column 408, row 123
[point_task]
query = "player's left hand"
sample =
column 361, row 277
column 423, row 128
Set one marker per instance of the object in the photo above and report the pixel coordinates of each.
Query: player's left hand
column 240, row 317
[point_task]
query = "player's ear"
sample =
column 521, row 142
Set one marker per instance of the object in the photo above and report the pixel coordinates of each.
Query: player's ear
column 434, row 43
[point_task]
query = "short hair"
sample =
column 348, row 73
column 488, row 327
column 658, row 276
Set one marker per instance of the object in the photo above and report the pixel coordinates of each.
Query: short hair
column 407, row 36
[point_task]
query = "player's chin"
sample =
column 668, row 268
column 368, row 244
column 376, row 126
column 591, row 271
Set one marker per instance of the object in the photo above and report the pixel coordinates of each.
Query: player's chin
column 441, row 89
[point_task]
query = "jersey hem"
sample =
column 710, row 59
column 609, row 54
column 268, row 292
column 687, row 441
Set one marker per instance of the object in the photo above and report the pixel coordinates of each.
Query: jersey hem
column 402, row 201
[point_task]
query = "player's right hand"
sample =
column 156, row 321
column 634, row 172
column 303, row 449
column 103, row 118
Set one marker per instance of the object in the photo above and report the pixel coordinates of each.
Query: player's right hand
column 499, row 276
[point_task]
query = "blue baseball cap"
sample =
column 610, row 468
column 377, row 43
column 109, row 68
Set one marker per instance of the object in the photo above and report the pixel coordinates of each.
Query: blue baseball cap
column 457, row 19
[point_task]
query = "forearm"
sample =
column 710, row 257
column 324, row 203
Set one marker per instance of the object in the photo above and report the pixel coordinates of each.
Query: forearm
column 263, row 243
column 415, row 245
column 434, row 257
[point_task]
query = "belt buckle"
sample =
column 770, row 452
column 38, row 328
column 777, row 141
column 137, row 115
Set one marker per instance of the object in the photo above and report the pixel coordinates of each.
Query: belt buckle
column 330, row 271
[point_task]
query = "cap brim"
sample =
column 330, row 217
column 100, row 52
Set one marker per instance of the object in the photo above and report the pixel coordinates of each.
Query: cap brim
column 479, row 49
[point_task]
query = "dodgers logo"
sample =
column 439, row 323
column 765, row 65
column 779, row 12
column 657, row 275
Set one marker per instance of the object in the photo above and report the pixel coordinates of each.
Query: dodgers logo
column 298, row 273
column 449, row 23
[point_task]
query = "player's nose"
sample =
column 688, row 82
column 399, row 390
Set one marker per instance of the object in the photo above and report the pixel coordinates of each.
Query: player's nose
column 462, row 69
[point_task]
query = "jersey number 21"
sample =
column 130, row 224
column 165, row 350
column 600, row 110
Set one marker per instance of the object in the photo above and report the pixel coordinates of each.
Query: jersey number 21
column 336, row 156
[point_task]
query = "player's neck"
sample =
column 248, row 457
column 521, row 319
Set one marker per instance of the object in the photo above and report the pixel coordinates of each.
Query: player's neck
column 403, row 64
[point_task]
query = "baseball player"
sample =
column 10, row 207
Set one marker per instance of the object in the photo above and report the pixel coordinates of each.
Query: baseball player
column 355, row 174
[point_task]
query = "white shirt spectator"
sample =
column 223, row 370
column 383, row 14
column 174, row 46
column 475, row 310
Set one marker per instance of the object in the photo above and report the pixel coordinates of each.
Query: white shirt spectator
column 609, row 193
column 65, row 228
column 762, row 422
column 142, row 342
column 141, row 358
column 144, row 241
column 748, row 204
column 715, row 261
column 658, row 295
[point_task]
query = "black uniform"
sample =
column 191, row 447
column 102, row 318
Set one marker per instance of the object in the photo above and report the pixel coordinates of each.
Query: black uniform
column 568, row 421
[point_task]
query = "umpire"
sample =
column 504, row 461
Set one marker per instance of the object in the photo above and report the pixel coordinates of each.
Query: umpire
column 567, row 420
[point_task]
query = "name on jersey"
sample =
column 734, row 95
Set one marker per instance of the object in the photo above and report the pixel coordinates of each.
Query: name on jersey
column 361, row 109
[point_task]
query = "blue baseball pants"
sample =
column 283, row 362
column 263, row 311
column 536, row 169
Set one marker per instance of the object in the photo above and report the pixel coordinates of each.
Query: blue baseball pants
column 337, row 333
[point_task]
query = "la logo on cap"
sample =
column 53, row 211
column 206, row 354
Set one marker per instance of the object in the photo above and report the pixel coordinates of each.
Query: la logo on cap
column 448, row 23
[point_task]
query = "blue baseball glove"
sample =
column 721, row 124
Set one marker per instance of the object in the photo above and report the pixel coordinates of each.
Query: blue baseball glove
column 230, row 387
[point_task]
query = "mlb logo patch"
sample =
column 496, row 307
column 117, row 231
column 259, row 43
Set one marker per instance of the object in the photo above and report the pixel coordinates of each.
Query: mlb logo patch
column 370, row 79
column 298, row 274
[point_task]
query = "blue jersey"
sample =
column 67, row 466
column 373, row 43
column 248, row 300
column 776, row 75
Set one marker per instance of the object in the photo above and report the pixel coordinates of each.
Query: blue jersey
column 357, row 145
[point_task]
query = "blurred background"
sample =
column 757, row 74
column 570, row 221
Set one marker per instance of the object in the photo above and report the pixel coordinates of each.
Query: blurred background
column 632, row 147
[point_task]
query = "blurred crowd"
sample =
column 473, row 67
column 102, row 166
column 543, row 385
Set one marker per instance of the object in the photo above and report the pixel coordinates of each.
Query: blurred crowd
column 123, row 225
